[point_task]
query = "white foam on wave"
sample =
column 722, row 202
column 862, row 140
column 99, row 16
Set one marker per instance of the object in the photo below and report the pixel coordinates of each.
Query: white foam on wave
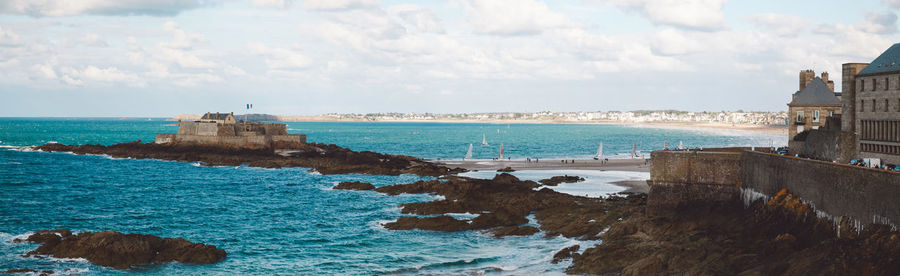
column 9, row 237
column 313, row 172
column 196, row 164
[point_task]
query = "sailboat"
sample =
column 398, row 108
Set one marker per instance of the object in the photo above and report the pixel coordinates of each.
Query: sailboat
column 483, row 140
column 501, row 152
column 469, row 153
column 599, row 152
column 634, row 150
column 666, row 145
column 680, row 145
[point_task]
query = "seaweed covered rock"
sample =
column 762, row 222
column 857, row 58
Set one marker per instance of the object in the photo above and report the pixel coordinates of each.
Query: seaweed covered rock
column 121, row 251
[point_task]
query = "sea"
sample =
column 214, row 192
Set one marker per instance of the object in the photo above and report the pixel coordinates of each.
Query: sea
column 290, row 221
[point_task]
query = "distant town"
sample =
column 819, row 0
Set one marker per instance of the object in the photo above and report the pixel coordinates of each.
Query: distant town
column 639, row 116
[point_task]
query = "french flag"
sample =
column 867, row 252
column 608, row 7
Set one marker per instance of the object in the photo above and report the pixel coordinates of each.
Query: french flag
column 249, row 106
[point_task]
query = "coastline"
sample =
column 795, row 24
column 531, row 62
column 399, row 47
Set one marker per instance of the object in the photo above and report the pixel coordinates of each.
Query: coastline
column 768, row 129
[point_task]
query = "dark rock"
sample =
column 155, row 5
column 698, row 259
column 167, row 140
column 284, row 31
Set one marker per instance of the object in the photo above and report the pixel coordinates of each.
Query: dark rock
column 507, row 169
column 326, row 159
column 45, row 236
column 504, row 231
column 565, row 253
column 355, row 185
column 553, row 181
column 121, row 251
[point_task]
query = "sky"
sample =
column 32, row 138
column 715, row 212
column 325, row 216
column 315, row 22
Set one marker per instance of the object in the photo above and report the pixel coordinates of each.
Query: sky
column 166, row 57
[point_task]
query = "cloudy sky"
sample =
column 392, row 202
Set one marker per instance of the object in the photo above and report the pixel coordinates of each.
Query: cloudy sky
column 165, row 57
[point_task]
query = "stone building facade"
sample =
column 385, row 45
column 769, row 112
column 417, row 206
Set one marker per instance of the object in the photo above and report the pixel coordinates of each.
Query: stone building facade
column 877, row 107
column 222, row 129
column 815, row 101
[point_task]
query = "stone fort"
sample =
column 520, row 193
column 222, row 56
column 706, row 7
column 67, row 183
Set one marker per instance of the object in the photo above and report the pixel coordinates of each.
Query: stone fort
column 223, row 130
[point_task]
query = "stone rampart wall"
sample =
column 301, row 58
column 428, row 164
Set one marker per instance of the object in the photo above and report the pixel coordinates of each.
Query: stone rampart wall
column 695, row 167
column 867, row 195
column 712, row 179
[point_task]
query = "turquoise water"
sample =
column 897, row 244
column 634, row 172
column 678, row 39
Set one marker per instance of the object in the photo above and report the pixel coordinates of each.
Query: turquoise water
column 283, row 220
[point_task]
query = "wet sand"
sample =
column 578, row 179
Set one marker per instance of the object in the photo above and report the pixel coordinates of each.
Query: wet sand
column 632, row 165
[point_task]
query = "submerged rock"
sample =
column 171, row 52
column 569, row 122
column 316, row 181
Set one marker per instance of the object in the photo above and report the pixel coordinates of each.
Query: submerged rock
column 553, row 181
column 354, row 185
column 507, row 169
column 121, row 251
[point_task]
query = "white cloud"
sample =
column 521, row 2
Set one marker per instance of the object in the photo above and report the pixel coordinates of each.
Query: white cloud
column 108, row 74
column 278, row 4
column 880, row 23
column 693, row 14
column 101, row 7
column 420, row 18
column 780, row 24
column 91, row 40
column 277, row 58
column 513, row 17
column 675, row 42
column 339, row 5
column 9, row 38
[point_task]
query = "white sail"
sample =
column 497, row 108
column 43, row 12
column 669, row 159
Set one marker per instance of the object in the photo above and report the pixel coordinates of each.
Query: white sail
column 634, row 150
column 501, row 152
column 599, row 152
column 680, row 145
column 483, row 140
column 469, row 153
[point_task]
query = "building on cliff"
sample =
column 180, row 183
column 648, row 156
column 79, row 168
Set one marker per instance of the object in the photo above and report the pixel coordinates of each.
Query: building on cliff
column 810, row 105
column 222, row 129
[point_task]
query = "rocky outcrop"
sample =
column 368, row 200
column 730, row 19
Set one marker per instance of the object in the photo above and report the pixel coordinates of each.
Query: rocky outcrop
column 780, row 237
column 502, row 204
column 326, row 159
column 565, row 253
column 121, row 251
column 507, row 170
column 354, row 185
column 720, row 237
column 553, row 181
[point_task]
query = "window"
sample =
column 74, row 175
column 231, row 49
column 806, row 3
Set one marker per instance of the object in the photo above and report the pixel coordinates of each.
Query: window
column 873, row 105
column 800, row 117
column 874, row 84
column 862, row 85
column 816, row 116
column 886, row 104
column 831, row 113
column 886, row 83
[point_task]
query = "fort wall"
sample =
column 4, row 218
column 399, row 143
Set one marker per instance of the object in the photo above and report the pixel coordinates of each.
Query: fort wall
column 714, row 179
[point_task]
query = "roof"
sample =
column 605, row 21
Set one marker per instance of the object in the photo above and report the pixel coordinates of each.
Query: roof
column 889, row 61
column 215, row 116
column 815, row 93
